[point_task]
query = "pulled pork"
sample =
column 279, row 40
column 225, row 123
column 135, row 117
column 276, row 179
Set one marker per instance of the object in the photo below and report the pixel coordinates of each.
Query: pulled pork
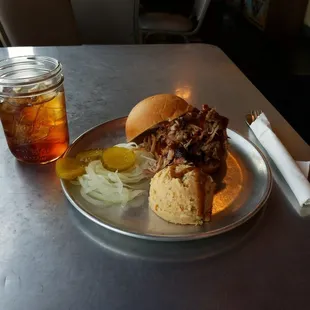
column 197, row 137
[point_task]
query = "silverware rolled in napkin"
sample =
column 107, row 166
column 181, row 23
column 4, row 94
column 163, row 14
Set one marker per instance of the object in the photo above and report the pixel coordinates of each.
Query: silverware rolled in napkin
column 291, row 172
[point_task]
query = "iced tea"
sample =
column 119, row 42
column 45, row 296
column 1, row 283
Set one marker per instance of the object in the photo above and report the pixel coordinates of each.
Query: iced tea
column 36, row 127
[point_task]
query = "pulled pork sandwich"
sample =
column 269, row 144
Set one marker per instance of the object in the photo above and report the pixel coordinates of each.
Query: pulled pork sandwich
column 178, row 133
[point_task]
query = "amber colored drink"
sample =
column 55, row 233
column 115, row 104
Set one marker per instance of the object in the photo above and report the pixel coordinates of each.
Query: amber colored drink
column 36, row 127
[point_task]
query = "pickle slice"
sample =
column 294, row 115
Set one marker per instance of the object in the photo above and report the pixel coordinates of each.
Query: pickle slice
column 69, row 168
column 118, row 158
column 89, row 155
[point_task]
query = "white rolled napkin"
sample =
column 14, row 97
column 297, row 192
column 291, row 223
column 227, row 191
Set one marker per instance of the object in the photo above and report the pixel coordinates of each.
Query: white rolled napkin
column 304, row 166
column 291, row 171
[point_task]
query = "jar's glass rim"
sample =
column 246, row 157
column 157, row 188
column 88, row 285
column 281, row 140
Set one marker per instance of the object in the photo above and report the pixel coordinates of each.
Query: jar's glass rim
column 52, row 67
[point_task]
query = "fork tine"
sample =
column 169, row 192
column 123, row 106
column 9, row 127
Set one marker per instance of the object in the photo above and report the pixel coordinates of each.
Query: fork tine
column 257, row 113
column 253, row 115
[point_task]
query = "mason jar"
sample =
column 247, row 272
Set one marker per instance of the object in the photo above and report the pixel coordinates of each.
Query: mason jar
column 33, row 108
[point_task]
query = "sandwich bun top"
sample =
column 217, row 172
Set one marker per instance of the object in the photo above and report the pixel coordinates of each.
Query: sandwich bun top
column 153, row 110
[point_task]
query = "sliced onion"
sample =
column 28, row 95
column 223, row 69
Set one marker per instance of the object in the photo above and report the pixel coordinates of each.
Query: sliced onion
column 102, row 187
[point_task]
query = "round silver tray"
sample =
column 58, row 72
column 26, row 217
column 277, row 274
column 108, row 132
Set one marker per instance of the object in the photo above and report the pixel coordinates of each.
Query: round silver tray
column 243, row 187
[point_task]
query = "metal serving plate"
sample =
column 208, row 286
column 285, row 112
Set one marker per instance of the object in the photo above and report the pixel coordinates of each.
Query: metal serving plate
column 243, row 187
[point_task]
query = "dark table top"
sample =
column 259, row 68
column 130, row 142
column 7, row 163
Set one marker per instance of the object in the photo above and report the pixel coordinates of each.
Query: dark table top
column 53, row 258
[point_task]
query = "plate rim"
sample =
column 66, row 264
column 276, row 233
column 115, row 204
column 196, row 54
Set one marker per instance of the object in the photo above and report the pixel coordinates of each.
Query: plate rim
column 193, row 236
